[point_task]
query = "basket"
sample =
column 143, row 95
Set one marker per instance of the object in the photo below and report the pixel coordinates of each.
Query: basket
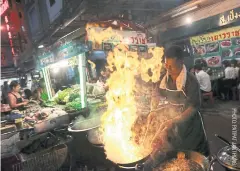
column 47, row 160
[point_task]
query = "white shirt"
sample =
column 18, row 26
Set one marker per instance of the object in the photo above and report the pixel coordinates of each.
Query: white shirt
column 204, row 81
column 230, row 73
column 236, row 72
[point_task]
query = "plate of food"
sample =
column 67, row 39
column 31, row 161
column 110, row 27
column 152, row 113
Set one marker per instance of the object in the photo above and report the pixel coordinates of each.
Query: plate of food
column 237, row 52
column 227, row 53
column 236, row 41
column 214, row 61
column 226, row 43
column 212, row 47
column 199, row 50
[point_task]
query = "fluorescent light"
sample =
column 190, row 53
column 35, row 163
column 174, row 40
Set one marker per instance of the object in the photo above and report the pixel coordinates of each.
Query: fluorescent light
column 184, row 11
column 188, row 20
column 56, row 70
column 40, row 46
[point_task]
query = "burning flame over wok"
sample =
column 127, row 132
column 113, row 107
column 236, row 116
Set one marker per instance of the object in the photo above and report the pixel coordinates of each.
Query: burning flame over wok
column 121, row 113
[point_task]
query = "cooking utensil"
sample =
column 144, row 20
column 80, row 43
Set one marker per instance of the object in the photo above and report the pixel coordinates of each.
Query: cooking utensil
column 227, row 155
column 226, row 141
column 85, row 124
column 137, row 165
column 159, row 159
column 94, row 139
column 223, row 139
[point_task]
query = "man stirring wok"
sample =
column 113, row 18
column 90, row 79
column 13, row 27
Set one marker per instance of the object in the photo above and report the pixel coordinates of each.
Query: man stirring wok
column 179, row 90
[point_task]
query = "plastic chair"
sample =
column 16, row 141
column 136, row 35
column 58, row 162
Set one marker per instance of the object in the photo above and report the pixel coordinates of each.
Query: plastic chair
column 209, row 95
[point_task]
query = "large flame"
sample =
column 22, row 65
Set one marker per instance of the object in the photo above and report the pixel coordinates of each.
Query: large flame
column 121, row 114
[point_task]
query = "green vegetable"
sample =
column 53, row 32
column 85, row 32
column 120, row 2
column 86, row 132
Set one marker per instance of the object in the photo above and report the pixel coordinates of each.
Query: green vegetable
column 73, row 96
column 62, row 96
column 74, row 105
column 44, row 96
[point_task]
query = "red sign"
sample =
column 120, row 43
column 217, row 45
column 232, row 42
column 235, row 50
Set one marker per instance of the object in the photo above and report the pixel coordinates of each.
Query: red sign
column 15, row 20
column 9, row 36
column 4, row 6
column 140, row 39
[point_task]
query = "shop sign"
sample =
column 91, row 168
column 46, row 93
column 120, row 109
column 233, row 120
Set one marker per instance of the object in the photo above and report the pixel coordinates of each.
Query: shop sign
column 4, row 5
column 69, row 50
column 129, row 37
column 65, row 51
column 216, row 36
column 46, row 59
column 229, row 17
column 217, row 46
column 114, row 37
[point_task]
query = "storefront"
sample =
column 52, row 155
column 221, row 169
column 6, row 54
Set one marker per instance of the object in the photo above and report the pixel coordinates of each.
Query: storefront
column 64, row 67
column 218, row 28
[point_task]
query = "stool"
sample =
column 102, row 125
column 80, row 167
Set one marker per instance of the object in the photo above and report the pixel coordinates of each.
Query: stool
column 210, row 95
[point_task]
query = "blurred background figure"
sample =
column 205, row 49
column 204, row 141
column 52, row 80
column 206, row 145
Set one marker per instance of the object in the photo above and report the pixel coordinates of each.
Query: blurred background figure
column 203, row 79
column 5, row 91
column 191, row 70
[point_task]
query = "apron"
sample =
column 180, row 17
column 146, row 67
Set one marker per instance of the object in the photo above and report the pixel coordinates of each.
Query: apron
column 190, row 134
column 18, row 100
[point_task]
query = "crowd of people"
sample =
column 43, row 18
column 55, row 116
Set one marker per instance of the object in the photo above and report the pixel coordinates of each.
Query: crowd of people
column 228, row 86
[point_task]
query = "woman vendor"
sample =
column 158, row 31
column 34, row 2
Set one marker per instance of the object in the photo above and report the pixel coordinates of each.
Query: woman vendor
column 179, row 90
column 15, row 99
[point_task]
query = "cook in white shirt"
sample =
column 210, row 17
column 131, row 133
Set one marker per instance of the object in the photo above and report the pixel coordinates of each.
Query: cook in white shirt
column 203, row 79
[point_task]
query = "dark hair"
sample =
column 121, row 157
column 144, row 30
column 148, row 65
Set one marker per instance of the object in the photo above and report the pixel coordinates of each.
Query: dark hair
column 198, row 67
column 174, row 51
column 28, row 93
column 234, row 62
column 13, row 84
column 226, row 63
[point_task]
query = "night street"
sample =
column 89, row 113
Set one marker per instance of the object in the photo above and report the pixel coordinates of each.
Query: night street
column 108, row 85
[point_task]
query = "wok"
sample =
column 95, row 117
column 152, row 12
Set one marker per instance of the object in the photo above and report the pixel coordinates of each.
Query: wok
column 224, row 155
column 198, row 161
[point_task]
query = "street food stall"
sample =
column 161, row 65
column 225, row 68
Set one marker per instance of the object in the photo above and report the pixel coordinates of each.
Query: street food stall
column 213, row 49
column 41, row 128
column 122, row 129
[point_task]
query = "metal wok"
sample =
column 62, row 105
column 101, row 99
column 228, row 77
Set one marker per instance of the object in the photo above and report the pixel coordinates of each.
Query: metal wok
column 228, row 156
column 157, row 160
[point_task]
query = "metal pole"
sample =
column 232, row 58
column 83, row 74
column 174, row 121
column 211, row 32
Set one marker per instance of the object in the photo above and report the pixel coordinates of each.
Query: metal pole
column 82, row 75
column 46, row 81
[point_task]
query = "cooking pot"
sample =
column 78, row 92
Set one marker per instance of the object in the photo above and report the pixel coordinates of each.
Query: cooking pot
column 225, row 155
column 159, row 159
column 94, row 137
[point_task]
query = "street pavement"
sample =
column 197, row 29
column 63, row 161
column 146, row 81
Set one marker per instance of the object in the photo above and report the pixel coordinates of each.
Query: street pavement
column 218, row 120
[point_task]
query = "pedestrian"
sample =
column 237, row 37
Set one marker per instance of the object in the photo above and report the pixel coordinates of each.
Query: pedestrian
column 203, row 79
column 228, row 80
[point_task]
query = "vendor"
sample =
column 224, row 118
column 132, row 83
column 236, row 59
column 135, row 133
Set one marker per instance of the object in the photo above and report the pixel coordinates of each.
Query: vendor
column 37, row 94
column 179, row 90
column 15, row 99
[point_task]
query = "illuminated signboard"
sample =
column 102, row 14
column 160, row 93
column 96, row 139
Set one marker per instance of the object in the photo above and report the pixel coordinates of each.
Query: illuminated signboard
column 4, row 6
column 9, row 35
